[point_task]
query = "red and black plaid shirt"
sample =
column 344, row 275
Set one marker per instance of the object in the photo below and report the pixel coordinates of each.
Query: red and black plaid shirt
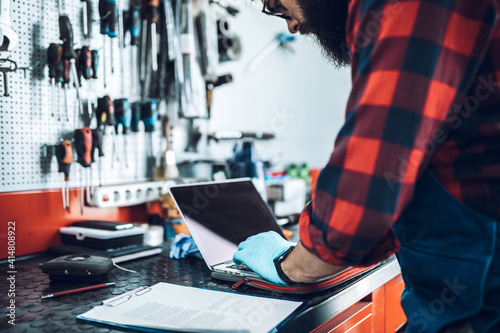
column 425, row 94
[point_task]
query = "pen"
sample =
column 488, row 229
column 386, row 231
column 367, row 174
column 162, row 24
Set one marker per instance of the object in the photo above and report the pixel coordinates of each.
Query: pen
column 77, row 290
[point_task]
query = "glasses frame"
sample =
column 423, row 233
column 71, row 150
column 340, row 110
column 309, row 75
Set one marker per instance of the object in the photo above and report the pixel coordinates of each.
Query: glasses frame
column 267, row 12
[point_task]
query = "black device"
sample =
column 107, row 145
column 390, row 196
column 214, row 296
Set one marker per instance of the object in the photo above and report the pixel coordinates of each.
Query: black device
column 78, row 268
column 103, row 225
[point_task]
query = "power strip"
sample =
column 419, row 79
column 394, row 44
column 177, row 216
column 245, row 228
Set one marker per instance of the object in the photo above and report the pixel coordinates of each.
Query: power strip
column 128, row 194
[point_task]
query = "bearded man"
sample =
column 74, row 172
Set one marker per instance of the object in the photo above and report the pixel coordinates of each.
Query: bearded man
column 416, row 166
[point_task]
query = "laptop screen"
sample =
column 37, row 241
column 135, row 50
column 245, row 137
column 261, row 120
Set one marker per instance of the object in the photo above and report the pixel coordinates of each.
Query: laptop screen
column 220, row 215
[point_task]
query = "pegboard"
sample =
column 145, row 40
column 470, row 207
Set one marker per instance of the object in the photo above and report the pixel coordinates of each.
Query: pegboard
column 31, row 125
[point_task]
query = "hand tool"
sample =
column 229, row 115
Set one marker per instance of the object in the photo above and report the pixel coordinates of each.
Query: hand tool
column 170, row 28
column 87, row 18
column 85, row 69
column 105, row 113
column 64, row 155
column 167, row 168
column 123, row 116
column 7, row 65
column 65, row 83
column 149, row 14
column 281, row 40
column 97, row 144
column 134, row 127
column 133, row 26
column 121, row 44
column 194, row 88
column 107, row 13
column 95, row 63
column 56, row 69
column 83, row 146
column 9, row 37
column 149, row 116
column 66, row 35
column 210, row 86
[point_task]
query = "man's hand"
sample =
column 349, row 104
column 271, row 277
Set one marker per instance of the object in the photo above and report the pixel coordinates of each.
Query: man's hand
column 258, row 253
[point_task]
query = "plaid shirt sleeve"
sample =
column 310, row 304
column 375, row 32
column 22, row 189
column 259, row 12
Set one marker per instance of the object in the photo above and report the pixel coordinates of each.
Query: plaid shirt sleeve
column 411, row 62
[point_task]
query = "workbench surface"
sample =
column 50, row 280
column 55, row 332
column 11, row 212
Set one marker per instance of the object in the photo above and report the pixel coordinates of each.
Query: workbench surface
column 59, row 314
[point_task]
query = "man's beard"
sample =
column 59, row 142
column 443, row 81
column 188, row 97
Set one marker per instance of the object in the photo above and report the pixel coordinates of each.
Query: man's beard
column 326, row 20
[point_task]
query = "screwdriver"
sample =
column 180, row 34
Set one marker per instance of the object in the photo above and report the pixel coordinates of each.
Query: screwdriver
column 83, row 145
column 85, row 69
column 134, row 22
column 66, row 35
column 107, row 13
column 149, row 15
column 123, row 116
column 133, row 26
column 105, row 113
column 134, row 127
column 121, row 43
column 97, row 144
column 64, row 154
column 65, row 82
column 87, row 17
column 56, row 68
column 149, row 116
column 94, row 55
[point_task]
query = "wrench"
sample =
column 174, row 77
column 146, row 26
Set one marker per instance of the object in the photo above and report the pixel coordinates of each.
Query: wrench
column 9, row 37
column 5, row 69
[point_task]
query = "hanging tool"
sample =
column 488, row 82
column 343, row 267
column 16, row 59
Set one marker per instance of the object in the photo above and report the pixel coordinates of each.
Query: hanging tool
column 281, row 40
column 149, row 14
column 211, row 85
column 149, row 116
column 107, row 13
column 167, row 168
column 56, row 69
column 123, row 116
column 7, row 65
column 64, row 155
column 133, row 26
column 105, row 113
column 85, row 69
column 134, row 127
column 86, row 18
column 65, row 83
column 8, row 37
column 194, row 89
column 97, row 144
column 133, row 23
column 94, row 55
column 121, row 43
column 66, row 35
column 83, row 146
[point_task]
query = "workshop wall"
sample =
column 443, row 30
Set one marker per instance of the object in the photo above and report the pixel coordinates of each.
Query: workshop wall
column 297, row 94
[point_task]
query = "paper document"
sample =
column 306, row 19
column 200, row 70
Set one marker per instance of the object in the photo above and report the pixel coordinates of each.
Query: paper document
column 167, row 306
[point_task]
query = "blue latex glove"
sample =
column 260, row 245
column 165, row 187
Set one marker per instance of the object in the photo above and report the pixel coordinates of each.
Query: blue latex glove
column 258, row 253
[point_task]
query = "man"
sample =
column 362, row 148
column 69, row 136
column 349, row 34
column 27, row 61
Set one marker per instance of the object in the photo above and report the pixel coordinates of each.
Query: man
column 416, row 167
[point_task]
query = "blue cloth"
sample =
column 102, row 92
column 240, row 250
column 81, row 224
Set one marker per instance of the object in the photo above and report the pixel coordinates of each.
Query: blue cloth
column 183, row 246
column 450, row 262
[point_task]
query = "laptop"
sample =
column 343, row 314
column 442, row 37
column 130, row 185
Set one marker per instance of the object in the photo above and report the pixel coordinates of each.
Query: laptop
column 221, row 215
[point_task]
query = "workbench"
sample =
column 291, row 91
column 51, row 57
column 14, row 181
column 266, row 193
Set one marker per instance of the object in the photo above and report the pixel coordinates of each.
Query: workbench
column 361, row 303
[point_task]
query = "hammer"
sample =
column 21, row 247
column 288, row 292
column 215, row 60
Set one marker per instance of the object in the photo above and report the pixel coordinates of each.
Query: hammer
column 8, row 36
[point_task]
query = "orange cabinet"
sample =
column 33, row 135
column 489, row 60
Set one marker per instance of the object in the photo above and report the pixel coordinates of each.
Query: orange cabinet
column 378, row 312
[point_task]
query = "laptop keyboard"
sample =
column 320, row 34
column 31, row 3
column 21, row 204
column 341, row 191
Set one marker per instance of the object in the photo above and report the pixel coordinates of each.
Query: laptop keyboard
column 242, row 267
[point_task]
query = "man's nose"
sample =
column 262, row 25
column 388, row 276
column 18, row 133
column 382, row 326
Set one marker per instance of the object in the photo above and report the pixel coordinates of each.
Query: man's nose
column 293, row 25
